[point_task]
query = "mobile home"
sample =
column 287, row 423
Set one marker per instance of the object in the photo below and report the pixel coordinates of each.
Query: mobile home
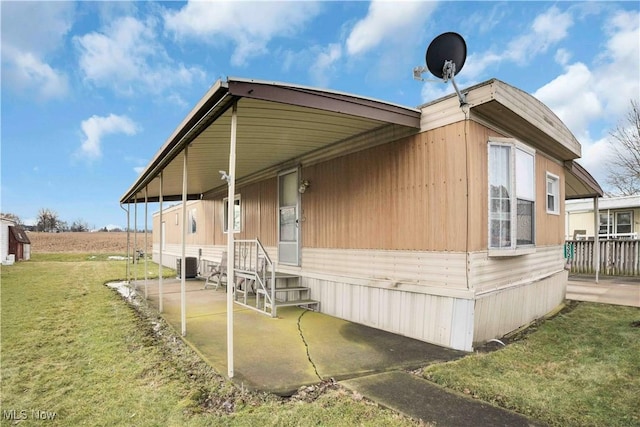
column 444, row 223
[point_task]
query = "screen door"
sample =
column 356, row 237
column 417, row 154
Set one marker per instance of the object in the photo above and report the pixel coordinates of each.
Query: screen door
column 288, row 208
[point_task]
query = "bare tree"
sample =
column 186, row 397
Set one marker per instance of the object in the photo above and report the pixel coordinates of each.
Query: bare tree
column 47, row 220
column 624, row 167
column 79, row 225
column 13, row 217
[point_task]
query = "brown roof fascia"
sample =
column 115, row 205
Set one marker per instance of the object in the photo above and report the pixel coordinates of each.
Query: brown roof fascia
column 201, row 116
column 177, row 198
column 326, row 100
column 197, row 120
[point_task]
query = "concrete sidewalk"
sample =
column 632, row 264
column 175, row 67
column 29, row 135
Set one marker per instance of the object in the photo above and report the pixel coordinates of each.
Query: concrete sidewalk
column 622, row 290
column 301, row 347
column 430, row 403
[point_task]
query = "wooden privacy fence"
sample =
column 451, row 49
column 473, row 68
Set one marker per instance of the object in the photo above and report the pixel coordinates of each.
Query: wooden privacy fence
column 617, row 257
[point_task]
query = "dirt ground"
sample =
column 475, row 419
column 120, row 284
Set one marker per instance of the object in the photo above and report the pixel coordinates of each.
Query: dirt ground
column 98, row 242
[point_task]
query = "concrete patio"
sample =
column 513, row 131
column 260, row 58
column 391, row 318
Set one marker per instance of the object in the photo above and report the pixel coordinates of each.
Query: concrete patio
column 297, row 348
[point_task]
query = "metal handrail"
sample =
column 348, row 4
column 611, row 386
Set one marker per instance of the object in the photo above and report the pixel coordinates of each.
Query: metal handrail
column 250, row 252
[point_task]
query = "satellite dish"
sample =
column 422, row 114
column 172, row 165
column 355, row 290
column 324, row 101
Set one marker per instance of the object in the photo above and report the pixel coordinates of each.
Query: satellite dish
column 445, row 58
column 446, row 55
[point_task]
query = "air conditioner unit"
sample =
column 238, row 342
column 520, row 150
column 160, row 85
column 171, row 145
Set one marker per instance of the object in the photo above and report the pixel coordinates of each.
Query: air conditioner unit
column 191, row 267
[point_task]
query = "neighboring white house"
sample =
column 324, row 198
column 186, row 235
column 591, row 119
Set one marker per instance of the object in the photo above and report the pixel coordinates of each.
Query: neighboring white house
column 619, row 218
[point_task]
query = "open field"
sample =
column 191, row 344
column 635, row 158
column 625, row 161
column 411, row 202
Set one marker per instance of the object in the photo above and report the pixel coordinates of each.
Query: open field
column 85, row 242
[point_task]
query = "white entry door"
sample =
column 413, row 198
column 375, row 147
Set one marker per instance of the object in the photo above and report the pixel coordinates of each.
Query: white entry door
column 288, row 209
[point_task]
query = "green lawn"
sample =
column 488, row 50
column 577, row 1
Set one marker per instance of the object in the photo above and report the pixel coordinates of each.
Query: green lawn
column 71, row 346
column 582, row 368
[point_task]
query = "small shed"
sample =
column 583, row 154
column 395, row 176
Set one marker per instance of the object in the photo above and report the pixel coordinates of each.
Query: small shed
column 15, row 244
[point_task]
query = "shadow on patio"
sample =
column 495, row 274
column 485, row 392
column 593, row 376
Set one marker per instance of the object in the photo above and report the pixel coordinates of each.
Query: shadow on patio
column 297, row 348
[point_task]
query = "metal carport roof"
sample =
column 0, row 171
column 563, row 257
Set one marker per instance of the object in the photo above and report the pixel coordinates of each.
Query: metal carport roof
column 275, row 123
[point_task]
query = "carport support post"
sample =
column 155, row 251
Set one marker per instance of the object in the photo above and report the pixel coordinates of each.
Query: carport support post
column 231, row 254
column 160, row 266
column 128, row 242
column 135, row 240
column 596, row 240
column 183, row 261
column 146, row 244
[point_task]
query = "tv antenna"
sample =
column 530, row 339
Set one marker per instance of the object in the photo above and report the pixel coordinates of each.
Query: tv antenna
column 445, row 58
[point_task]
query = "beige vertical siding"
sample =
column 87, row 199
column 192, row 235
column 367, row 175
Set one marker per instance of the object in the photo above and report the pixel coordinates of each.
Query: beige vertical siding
column 407, row 195
column 549, row 227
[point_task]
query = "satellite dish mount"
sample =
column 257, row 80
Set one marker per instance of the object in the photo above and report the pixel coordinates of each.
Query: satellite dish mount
column 445, row 58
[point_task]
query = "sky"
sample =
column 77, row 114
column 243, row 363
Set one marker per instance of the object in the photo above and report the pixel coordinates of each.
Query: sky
column 91, row 90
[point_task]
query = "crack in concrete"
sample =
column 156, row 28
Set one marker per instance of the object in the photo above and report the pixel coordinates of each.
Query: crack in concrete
column 306, row 345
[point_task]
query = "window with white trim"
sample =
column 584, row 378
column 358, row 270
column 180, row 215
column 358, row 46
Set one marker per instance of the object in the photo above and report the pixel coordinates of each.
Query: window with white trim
column 236, row 214
column 511, row 195
column 606, row 224
column 624, row 222
column 553, row 194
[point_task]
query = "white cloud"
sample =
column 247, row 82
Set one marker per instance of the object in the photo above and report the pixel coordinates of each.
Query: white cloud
column 434, row 89
column 546, row 30
column 128, row 57
column 476, row 63
column 485, row 21
column 572, row 98
column 97, row 127
column 26, row 47
column 248, row 25
column 388, row 21
column 562, row 56
column 583, row 95
column 595, row 159
column 26, row 71
column 324, row 65
column 617, row 74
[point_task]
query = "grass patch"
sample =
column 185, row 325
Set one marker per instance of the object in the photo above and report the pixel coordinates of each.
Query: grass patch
column 73, row 347
column 580, row 368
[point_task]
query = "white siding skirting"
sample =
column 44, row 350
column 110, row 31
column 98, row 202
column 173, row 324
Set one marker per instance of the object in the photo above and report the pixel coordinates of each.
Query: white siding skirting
column 441, row 320
column 488, row 274
column 422, row 268
column 501, row 312
column 423, row 295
